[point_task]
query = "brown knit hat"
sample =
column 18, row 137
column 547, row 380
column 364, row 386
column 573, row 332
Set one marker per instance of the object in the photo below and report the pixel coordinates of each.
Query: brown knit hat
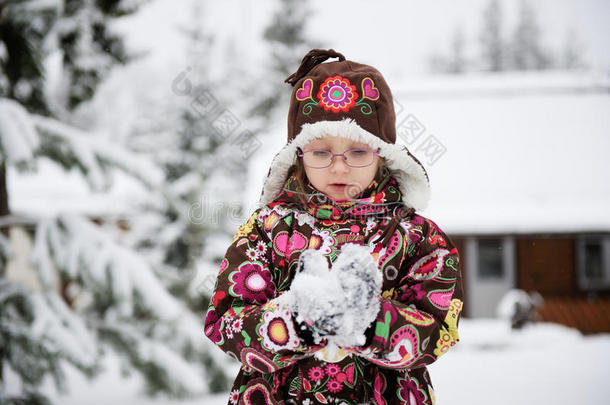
column 347, row 99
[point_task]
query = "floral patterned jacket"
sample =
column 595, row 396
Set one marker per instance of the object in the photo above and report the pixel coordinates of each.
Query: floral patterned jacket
column 420, row 307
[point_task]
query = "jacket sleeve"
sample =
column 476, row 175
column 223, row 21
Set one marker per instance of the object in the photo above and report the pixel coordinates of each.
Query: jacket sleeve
column 418, row 320
column 246, row 317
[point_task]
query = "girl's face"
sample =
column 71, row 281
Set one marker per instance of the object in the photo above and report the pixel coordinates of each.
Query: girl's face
column 340, row 181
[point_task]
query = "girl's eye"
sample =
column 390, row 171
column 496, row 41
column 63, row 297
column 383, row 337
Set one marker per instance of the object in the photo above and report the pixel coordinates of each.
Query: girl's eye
column 320, row 153
column 359, row 151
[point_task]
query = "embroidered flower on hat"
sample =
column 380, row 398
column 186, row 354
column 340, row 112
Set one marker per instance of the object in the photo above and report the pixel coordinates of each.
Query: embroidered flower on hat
column 337, row 94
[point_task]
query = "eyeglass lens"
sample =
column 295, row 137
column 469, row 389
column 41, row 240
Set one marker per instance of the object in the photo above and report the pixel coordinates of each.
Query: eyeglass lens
column 318, row 158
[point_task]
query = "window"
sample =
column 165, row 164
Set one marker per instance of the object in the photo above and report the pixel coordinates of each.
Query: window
column 593, row 258
column 490, row 263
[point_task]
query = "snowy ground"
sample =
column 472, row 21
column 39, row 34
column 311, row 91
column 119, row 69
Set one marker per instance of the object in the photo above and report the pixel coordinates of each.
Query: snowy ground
column 542, row 364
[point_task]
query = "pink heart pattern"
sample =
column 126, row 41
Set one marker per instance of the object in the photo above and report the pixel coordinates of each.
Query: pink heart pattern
column 304, row 92
column 285, row 245
column 369, row 90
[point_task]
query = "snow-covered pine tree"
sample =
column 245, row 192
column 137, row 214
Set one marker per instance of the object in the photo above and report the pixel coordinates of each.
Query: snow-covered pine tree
column 285, row 35
column 89, row 48
column 457, row 60
column 88, row 294
column 186, row 160
column 117, row 300
column 526, row 48
column 572, row 52
column 187, row 228
column 491, row 41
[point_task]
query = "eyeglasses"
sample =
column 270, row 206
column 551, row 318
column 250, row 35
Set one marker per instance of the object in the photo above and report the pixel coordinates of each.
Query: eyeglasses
column 322, row 158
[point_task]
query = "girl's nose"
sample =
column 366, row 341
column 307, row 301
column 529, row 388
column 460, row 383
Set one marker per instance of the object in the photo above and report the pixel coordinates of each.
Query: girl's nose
column 338, row 165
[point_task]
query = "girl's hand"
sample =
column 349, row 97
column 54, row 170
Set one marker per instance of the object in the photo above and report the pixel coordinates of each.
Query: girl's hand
column 358, row 274
column 316, row 296
column 361, row 282
column 339, row 304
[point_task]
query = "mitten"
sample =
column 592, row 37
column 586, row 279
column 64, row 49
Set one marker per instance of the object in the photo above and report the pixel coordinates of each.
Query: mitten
column 339, row 305
column 361, row 282
column 316, row 296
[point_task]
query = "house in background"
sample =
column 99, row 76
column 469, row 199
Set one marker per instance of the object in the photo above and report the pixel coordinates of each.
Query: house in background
column 519, row 166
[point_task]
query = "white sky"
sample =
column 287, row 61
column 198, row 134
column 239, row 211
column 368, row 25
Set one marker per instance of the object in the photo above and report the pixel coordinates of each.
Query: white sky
column 394, row 36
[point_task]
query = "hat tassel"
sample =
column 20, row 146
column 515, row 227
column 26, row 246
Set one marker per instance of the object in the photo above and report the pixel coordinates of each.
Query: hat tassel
column 313, row 58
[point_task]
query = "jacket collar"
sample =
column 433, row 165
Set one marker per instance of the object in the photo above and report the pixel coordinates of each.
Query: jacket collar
column 381, row 196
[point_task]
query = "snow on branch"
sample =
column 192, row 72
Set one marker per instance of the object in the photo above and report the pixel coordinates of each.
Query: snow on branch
column 155, row 356
column 24, row 135
column 85, row 253
column 40, row 329
column 55, row 322
column 93, row 154
column 18, row 137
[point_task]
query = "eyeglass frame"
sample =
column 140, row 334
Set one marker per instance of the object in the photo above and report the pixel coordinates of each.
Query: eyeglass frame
column 332, row 158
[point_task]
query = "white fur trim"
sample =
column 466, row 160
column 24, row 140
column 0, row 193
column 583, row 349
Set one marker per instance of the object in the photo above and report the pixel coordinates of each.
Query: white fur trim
column 410, row 175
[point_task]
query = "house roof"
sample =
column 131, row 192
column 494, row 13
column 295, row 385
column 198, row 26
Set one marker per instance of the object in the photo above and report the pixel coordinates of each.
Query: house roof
column 524, row 152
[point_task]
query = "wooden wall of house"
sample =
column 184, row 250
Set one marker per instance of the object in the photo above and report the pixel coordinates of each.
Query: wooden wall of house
column 547, row 265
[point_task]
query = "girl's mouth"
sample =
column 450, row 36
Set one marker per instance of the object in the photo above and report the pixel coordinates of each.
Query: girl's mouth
column 338, row 185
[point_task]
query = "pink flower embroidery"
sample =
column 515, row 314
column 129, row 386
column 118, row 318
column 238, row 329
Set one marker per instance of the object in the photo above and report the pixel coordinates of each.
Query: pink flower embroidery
column 237, row 325
column 261, row 247
column 332, row 369
column 252, row 282
column 334, row 386
column 337, row 94
column 234, row 397
column 316, row 374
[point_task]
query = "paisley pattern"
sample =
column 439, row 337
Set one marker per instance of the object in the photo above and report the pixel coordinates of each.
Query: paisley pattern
column 429, row 266
column 416, row 317
column 441, row 298
column 405, row 347
column 449, row 335
column 411, row 392
column 421, row 301
column 257, row 393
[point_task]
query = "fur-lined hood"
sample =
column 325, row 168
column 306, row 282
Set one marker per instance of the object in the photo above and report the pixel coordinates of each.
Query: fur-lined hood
column 351, row 100
column 406, row 169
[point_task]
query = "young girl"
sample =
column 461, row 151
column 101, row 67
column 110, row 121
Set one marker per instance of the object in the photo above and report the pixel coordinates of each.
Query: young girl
column 336, row 290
